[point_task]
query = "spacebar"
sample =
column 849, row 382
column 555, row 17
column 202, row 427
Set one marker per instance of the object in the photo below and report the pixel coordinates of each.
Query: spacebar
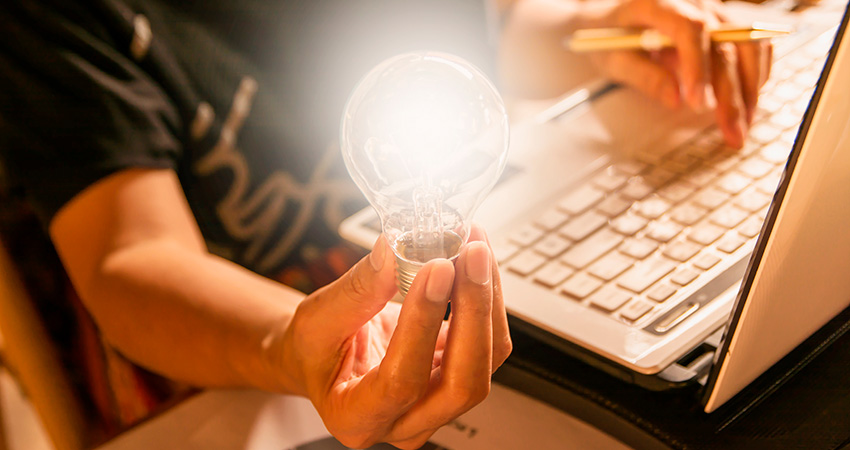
column 698, row 299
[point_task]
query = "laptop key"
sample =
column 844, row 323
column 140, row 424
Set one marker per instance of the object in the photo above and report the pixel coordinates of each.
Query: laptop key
column 526, row 235
column 751, row 227
column 646, row 273
column 684, row 276
column 733, row 183
column 705, row 261
column 731, row 242
column 551, row 246
column 775, row 153
column 769, row 105
column 635, row 310
column 580, row 285
column 787, row 92
column 701, row 176
column 636, row 189
column 609, row 180
column 676, row 191
column 769, row 183
column 652, row 207
column 788, row 137
column 585, row 252
column 799, row 106
column 638, row 248
column 752, row 200
column 688, row 214
column 705, row 233
column 552, row 274
column 660, row 292
column 710, row 198
column 749, row 149
column 765, row 133
column 551, row 220
column 504, row 250
column 786, row 118
column 581, row 199
column 610, row 266
column 610, row 298
column 681, row 250
column 663, row 231
column 725, row 160
column 613, row 205
column 628, row 224
column 583, row 225
column 755, row 168
column 728, row 217
column 526, row 262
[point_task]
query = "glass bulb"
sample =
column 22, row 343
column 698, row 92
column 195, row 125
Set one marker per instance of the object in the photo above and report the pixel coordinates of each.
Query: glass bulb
column 425, row 137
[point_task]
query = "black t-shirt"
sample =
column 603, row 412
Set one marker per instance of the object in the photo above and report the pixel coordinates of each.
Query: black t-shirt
column 242, row 98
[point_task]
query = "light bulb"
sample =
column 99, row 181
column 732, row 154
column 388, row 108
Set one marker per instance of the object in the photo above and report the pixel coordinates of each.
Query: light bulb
column 425, row 137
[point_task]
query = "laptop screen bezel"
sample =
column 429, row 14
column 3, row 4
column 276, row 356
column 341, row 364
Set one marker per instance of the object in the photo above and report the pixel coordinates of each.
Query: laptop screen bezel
column 758, row 255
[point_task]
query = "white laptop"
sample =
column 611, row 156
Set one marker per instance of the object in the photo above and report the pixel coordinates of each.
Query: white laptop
column 631, row 228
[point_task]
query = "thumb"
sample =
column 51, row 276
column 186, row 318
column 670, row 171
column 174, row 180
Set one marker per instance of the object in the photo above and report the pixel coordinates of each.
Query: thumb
column 352, row 300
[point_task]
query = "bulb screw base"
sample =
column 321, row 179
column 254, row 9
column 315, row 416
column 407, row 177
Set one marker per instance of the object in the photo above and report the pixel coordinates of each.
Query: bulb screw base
column 405, row 273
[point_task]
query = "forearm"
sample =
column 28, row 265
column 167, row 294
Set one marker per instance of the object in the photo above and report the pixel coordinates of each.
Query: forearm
column 533, row 61
column 189, row 315
column 136, row 257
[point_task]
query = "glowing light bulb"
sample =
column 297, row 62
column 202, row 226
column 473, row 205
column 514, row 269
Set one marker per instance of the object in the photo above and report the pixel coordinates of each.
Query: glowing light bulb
column 425, row 137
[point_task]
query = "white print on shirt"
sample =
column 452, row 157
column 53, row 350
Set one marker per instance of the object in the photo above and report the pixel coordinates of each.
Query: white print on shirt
column 253, row 216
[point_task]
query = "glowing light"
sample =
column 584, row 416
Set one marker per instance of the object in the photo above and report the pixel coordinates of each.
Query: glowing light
column 425, row 137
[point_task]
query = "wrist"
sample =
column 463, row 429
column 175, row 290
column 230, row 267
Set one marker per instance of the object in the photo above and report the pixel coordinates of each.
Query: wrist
column 598, row 14
column 276, row 373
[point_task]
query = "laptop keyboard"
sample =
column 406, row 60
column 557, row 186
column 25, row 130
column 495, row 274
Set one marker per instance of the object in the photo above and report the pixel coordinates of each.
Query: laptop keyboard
column 644, row 235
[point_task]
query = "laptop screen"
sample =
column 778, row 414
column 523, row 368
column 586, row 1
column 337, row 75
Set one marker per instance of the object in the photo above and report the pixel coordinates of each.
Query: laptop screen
column 797, row 278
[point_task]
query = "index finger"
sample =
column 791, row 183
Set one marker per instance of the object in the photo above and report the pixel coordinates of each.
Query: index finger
column 463, row 379
column 754, row 68
column 687, row 25
column 502, row 345
column 405, row 371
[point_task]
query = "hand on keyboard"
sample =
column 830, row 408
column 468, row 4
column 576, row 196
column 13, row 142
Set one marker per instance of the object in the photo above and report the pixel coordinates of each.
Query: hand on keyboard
column 734, row 71
column 534, row 63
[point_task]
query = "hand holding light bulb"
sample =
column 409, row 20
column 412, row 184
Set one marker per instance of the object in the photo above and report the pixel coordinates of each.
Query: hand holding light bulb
column 380, row 371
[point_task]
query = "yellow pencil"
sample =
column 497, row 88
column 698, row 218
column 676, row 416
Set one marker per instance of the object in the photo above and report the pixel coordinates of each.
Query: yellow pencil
column 604, row 39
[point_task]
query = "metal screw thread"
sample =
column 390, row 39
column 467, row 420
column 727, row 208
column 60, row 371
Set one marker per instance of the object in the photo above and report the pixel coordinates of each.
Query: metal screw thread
column 405, row 273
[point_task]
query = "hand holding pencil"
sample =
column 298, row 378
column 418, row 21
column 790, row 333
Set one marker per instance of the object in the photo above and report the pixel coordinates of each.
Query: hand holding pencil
column 696, row 58
column 693, row 54
column 605, row 39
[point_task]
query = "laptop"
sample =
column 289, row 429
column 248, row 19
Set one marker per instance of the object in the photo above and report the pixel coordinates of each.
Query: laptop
column 637, row 242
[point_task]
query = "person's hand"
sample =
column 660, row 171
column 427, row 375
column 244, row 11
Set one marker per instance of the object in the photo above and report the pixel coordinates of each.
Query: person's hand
column 735, row 72
column 377, row 371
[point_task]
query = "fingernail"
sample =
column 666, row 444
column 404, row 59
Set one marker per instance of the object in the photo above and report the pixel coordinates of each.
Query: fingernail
column 376, row 258
column 440, row 281
column 478, row 263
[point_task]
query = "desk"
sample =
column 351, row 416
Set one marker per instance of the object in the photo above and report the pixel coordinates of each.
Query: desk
column 802, row 402
column 253, row 420
column 809, row 410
